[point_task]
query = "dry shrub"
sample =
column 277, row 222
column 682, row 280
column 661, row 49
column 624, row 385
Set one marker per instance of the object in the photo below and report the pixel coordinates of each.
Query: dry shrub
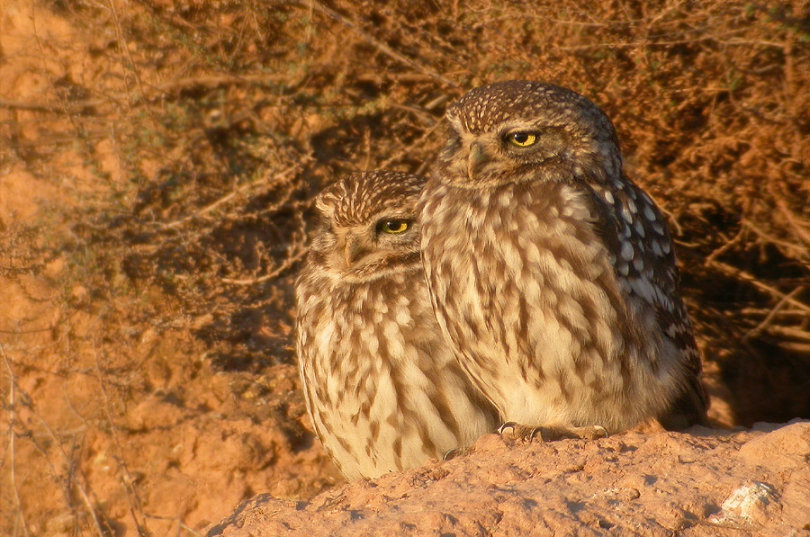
column 709, row 100
column 243, row 111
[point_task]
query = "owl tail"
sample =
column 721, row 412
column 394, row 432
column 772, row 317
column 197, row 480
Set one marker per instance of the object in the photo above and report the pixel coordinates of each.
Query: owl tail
column 688, row 409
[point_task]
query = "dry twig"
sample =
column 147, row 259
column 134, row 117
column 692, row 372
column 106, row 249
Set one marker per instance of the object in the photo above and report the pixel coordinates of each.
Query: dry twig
column 745, row 276
column 12, row 421
column 382, row 47
column 135, row 504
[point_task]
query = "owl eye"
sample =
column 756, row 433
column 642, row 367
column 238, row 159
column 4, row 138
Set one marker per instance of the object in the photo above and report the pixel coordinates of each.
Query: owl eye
column 522, row 139
column 394, row 227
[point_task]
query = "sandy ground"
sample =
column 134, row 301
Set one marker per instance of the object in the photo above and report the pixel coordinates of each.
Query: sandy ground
column 705, row 483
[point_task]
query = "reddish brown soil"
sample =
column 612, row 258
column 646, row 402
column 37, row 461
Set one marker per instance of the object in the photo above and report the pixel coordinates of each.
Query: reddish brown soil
column 707, row 483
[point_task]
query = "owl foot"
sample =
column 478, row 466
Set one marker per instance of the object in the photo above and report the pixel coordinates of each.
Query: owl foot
column 457, row 452
column 551, row 433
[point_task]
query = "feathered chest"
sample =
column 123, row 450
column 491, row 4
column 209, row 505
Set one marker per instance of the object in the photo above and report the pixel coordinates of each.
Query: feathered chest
column 545, row 232
column 348, row 319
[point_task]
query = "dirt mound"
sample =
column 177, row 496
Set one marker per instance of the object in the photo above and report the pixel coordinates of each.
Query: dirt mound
column 710, row 483
column 157, row 162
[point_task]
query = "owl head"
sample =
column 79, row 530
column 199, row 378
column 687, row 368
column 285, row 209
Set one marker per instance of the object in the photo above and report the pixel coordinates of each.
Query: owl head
column 516, row 131
column 368, row 226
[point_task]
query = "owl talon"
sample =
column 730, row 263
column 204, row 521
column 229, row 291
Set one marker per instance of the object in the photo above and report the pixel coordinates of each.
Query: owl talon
column 457, row 452
column 588, row 432
column 517, row 431
column 551, row 433
column 600, row 431
column 508, row 425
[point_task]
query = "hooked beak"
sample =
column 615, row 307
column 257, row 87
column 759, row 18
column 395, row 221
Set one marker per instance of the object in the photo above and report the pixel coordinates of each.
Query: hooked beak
column 353, row 249
column 476, row 158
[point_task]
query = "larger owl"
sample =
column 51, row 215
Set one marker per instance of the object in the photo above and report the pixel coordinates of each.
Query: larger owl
column 551, row 273
column 383, row 389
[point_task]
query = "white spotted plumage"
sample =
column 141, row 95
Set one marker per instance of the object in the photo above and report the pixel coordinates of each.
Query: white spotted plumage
column 383, row 390
column 550, row 271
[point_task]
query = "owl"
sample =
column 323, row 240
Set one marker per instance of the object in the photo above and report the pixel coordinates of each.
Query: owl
column 551, row 273
column 383, row 389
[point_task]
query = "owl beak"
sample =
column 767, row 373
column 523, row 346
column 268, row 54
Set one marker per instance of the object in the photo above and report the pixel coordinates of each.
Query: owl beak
column 353, row 250
column 475, row 160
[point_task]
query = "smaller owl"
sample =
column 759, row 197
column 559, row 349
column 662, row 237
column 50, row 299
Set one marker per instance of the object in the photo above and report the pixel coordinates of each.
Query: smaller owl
column 382, row 388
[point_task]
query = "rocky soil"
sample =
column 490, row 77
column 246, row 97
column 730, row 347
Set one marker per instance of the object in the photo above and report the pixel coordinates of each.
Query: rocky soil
column 705, row 482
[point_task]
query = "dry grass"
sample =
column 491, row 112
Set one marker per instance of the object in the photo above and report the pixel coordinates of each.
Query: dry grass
column 222, row 119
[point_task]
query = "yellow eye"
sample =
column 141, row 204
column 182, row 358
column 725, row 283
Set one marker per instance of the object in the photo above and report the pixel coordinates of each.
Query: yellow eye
column 522, row 139
column 394, row 227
